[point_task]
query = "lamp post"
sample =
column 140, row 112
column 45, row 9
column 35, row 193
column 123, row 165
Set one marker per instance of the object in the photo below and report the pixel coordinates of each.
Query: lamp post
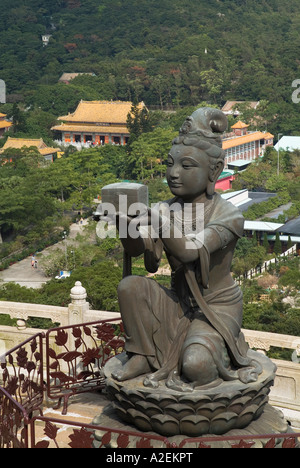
column 65, row 243
column 74, row 261
column 278, row 150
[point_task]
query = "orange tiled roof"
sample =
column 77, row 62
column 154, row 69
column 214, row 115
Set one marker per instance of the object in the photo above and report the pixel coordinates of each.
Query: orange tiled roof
column 268, row 136
column 113, row 112
column 232, row 142
column 18, row 143
column 240, row 124
column 48, row 150
column 5, row 124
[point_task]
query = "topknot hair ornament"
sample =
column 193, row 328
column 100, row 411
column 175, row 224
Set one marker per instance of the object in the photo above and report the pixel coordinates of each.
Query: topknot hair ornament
column 207, row 123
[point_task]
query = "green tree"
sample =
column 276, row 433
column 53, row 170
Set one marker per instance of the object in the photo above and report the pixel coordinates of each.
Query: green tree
column 248, row 255
column 291, row 279
column 149, row 153
column 24, row 198
column 138, row 122
column 266, row 243
column 19, row 120
column 277, row 245
column 212, row 82
column 254, row 239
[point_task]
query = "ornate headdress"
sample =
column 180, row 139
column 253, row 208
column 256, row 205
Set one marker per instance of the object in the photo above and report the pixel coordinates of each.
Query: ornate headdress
column 203, row 129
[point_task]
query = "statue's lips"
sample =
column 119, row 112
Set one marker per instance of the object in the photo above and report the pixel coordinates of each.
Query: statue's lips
column 175, row 185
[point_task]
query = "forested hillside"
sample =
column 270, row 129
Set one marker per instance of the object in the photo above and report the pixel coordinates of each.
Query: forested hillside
column 170, row 54
column 174, row 52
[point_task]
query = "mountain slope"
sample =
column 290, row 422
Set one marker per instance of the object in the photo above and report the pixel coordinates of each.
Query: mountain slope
column 174, row 51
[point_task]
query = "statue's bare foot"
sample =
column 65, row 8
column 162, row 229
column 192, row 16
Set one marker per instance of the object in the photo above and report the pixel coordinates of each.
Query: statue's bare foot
column 137, row 365
column 151, row 382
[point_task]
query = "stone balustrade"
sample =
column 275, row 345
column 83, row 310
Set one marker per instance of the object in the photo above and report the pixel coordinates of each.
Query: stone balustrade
column 78, row 311
column 263, row 341
column 285, row 393
column 22, row 312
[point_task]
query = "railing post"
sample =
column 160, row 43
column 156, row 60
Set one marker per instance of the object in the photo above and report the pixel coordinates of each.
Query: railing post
column 79, row 306
column 21, row 324
column 77, row 309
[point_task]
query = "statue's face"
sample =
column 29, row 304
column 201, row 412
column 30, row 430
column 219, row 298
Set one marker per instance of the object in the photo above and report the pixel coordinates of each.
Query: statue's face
column 187, row 171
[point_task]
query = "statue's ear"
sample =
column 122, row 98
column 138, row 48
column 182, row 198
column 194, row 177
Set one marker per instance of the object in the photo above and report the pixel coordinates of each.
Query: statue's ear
column 218, row 169
column 215, row 173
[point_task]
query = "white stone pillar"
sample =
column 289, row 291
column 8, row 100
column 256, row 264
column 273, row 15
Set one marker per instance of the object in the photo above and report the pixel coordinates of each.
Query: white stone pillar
column 79, row 306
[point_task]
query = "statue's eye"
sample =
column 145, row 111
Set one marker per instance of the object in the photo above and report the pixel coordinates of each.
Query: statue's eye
column 188, row 164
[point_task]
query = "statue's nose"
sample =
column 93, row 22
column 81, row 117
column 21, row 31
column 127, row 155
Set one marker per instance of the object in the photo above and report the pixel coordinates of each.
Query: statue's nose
column 174, row 173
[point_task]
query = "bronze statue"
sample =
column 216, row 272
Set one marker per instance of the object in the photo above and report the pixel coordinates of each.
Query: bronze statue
column 188, row 336
column 187, row 369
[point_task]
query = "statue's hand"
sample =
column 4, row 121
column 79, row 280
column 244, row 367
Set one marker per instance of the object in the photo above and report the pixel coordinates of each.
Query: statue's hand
column 158, row 221
column 122, row 221
column 129, row 234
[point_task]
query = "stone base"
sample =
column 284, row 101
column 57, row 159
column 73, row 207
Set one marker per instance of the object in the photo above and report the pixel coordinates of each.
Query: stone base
column 215, row 411
column 270, row 422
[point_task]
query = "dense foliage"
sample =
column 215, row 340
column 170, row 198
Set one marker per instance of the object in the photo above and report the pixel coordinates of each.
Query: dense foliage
column 172, row 55
column 275, row 315
column 169, row 53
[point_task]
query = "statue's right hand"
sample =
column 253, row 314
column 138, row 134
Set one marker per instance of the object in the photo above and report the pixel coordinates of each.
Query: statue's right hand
column 122, row 220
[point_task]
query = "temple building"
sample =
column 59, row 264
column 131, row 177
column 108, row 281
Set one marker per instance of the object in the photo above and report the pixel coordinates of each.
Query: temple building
column 97, row 123
column 5, row 125
column 242, row 147
column 18, row 143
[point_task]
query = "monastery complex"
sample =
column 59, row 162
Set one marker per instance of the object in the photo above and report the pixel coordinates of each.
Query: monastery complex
column 97, row 122
column 105, row 122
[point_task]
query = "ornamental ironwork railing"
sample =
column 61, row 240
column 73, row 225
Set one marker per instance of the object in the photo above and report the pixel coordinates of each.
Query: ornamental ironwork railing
column 78, row 435
column 21, row 373
column 76, row 355
column 69, row 360
column 13, row 423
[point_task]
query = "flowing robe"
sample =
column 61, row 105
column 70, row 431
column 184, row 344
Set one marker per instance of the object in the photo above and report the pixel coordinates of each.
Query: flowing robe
column 204, row 305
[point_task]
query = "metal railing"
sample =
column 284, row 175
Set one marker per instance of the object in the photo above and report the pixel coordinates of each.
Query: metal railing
column 21, row 373
column 78, row 435
column 14, row 422
column 75, row 356
column 74, row 359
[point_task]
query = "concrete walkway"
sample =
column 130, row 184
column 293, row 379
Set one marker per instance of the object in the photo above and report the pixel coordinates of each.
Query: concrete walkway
column 277, row 211
column 22, row 272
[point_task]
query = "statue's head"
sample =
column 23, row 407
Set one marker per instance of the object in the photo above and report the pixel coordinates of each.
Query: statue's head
column 197, row 156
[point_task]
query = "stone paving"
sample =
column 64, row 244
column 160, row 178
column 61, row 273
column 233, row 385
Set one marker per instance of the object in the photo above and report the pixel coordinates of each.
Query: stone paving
column 82, row 408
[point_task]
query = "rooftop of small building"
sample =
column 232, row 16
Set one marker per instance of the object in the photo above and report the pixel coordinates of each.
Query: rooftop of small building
column 19, row 143
column 291, row 227
column 250, row 137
